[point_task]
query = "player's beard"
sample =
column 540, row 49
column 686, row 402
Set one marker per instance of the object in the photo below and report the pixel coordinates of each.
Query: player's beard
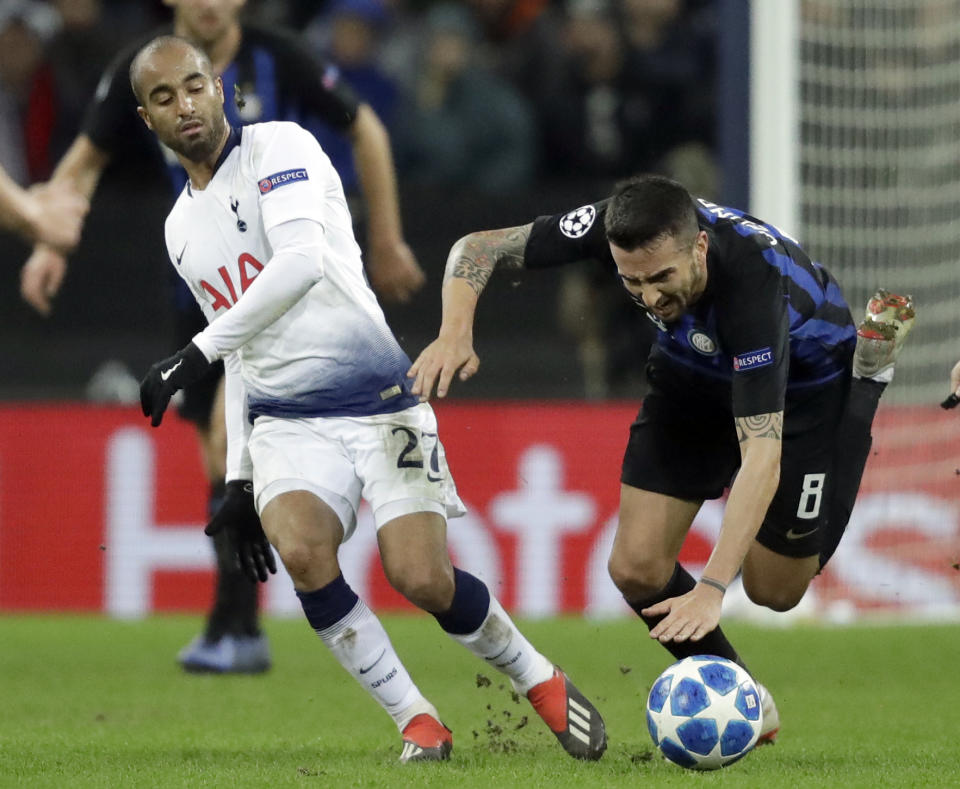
column 679, row 303
column 202, row 147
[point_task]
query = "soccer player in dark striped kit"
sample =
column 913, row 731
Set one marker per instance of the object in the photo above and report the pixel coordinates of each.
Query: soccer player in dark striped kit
column 760, row 382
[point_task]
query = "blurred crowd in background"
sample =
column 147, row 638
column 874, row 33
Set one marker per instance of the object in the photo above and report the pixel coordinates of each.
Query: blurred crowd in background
column 498, row 110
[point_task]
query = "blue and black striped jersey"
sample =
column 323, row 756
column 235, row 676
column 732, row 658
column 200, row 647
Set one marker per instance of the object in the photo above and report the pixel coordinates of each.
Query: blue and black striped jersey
column 769, row 322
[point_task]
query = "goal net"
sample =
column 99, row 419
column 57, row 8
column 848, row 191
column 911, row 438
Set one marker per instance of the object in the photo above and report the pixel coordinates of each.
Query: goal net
column 878, row 105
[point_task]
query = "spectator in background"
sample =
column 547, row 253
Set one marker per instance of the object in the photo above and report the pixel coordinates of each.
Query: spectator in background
column 672, row 52
column 348, row 33
column 601, row 125
column 635, row 89
column 24, row 25
column 523, row 37
column 600, row 122
column 639, row 98
column 462, row 126
column 61, row 87
column 400, row 43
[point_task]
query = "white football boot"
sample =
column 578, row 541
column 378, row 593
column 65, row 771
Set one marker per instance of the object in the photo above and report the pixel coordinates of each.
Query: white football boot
column 771, row 718
column 881, row 334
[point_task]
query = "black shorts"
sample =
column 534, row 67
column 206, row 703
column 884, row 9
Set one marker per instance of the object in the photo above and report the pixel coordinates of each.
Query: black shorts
column 684, row 447
column 197, row 399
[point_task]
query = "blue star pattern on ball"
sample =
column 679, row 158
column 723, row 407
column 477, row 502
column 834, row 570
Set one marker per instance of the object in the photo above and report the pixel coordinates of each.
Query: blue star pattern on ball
column 704, row 712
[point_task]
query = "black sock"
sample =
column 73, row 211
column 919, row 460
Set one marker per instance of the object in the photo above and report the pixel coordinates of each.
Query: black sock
column 714, row 643
column 236, row 603
column 853, row 449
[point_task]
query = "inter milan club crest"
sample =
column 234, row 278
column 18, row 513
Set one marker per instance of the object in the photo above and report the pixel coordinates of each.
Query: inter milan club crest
column 578, row 222
column 701, row 342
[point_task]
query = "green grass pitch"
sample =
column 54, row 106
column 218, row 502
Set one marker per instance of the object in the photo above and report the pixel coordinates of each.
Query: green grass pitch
column 90, row 702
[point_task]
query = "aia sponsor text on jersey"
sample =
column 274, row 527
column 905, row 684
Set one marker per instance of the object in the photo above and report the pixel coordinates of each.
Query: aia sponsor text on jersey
column 247, row 268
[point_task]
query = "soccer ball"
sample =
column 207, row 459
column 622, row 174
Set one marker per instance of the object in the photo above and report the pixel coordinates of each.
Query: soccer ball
column 704, row 712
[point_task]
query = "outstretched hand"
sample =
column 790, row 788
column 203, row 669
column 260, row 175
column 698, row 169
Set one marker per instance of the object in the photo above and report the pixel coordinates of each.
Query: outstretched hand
column 41, row 278
column 689, row 617
column 439, row 362
column 237, row 518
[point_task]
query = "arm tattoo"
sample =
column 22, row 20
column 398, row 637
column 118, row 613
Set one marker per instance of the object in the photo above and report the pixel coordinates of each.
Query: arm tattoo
column 760, row 426
column 474, row 257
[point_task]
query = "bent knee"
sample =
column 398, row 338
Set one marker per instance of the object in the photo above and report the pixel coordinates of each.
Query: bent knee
column 298, row 559
column 777, row 582
column 775, row 598
column 638, row 579
column 429, row 588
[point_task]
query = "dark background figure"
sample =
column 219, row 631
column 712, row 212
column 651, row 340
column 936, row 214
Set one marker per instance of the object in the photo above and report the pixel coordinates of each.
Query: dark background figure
column 461, row 126
column 348, row 34
column 25, row 25
column 63, row 83
column 521, row 40
column 637, row 97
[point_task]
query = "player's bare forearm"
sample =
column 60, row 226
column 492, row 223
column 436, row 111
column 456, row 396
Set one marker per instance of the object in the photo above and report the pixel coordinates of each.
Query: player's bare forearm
column 79, row 171
column 44, row 213
column 474, row 257
column 375, row 171
column 13, row 204
column 750, row 496
column 82, row 165
column 696, row 613
column 391, row 265
column 470, row 264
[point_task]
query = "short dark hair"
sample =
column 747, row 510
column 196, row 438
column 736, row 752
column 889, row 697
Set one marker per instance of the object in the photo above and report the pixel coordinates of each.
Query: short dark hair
column 155, row 45
column 648, row 208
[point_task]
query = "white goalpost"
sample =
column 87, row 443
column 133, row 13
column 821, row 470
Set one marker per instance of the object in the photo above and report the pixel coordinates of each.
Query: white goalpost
column 774, row 175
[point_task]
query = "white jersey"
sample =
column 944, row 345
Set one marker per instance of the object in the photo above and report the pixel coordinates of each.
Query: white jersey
column 310, row 338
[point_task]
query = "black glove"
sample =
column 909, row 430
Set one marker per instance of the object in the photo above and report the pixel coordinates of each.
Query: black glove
column 162, row 380
column 238, row 519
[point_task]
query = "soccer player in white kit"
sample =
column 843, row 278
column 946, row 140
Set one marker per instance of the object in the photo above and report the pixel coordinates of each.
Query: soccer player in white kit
column 319, row 412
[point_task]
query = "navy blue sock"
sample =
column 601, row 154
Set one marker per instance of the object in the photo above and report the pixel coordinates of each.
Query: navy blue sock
column 471, row 602
column 329, row 604
column 713, row 643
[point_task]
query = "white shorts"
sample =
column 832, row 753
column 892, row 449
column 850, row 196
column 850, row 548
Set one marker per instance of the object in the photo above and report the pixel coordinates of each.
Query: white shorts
column 394, row 461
